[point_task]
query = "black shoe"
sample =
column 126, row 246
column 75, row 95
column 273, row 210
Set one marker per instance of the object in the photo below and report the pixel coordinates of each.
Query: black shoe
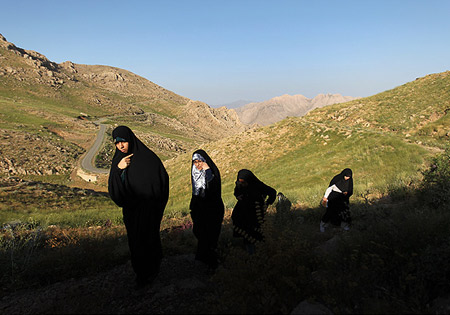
column 142, row 282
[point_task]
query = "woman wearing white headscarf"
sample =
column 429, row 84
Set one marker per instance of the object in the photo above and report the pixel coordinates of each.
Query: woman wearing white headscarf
column 207, row 208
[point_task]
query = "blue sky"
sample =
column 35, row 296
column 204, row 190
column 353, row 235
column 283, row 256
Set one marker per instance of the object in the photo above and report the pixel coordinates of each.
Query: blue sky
column 222, row 51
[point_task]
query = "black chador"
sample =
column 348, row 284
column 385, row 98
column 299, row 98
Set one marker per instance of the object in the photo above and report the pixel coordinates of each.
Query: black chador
column 142, row 190
column 207, row 208
column 338, row 199
column 248, row 214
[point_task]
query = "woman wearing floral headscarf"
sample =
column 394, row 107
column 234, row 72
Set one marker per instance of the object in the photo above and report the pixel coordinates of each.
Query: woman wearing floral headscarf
column 207, row 208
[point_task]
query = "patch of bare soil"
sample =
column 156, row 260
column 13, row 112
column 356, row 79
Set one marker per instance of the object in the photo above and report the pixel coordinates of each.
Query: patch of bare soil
column 182, row 287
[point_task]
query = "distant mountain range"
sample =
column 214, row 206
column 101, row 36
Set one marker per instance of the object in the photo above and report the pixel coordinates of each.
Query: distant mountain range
column 233, row 105
column 280, row 107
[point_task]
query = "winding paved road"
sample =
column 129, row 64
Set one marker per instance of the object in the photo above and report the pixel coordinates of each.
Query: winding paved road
column 88, row 161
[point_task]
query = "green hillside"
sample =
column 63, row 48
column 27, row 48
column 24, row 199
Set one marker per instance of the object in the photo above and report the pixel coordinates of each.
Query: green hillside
column 417, row 111
column 385, row 139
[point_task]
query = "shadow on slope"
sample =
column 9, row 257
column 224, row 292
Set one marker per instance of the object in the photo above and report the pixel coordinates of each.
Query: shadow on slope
column 393, row 260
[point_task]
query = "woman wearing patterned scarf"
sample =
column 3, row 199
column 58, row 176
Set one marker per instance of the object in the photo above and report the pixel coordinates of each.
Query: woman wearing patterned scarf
column 248, row 215
column 207, row 208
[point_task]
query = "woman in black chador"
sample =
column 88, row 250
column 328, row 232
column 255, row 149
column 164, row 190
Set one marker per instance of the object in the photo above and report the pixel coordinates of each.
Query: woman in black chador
column 207, row 208
column 138, row 182
column 337, row 200
column 248, row 215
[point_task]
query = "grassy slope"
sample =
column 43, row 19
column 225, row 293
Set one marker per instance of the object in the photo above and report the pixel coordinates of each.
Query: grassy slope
column 302, row 165
column 417, row 110
column 380, row 137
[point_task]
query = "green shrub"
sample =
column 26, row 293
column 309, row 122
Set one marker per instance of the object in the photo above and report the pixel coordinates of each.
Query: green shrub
column 436, row 182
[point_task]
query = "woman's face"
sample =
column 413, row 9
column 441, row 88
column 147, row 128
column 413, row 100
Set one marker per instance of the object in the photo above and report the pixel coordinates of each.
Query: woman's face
column 242, row 182
column 122, row 146
column 198, row 164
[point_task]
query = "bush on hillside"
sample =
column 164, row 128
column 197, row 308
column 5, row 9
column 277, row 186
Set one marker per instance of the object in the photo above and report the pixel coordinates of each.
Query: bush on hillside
column 435, row 188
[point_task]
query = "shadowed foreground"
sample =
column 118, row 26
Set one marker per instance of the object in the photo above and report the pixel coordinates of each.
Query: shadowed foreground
column 179, row 288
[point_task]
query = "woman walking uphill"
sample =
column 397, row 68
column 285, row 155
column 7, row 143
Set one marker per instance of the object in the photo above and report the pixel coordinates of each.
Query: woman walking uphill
column 138, row 182
column 248, row 215
column 337, row 200
column 207, row 208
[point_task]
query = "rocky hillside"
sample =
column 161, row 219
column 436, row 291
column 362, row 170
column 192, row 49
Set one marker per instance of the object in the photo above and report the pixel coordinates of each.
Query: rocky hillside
column 278, row 108
column 417, row 111
column 59, row 104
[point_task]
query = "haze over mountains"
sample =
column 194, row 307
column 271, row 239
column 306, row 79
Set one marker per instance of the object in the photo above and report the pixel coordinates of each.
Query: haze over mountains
column 278, row 108
column 235, row 104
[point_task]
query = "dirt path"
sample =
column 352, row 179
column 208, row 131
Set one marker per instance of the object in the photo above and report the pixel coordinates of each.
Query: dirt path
column 181, row 288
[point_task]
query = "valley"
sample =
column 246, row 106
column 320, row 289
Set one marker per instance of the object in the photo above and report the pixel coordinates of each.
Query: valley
column 63, row 239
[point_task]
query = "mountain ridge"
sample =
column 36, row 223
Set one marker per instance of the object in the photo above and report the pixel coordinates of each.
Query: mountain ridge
column 277, row 108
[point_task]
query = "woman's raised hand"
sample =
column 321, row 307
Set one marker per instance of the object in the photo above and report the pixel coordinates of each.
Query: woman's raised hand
column 125, row 162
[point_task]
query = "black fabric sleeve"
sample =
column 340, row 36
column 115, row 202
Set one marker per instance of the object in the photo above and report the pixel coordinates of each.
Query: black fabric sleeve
column 116, row 187
column 209, row 175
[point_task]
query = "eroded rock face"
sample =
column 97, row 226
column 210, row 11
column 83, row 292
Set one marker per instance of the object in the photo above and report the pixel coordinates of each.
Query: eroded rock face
column 211, row 123
column 34, row 66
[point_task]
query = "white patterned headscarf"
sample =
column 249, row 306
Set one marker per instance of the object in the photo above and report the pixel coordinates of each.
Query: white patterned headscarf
column 198, row 176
